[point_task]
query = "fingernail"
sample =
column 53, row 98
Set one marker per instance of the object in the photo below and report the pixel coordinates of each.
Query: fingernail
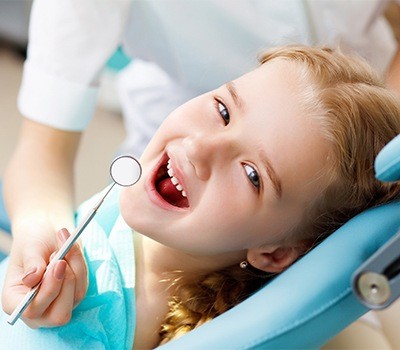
column 63, row 234
column 30, row 271
column 59, row 270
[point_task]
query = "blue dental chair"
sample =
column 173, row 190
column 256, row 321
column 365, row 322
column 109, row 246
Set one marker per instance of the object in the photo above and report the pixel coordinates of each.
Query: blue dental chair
column 319, row 295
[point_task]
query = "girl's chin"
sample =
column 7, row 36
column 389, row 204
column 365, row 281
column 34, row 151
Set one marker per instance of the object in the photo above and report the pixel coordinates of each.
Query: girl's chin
column 129, row 206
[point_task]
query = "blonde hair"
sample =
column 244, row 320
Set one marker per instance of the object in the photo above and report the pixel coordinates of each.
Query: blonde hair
column 358, row 116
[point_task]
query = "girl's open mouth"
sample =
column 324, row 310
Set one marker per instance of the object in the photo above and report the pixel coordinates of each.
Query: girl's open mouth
column 168, row 186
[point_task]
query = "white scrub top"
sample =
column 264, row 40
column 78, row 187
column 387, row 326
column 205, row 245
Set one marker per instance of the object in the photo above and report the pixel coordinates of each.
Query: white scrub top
column 200, row 44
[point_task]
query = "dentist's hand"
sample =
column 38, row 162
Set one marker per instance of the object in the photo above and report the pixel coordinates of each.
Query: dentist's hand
column 62, row 288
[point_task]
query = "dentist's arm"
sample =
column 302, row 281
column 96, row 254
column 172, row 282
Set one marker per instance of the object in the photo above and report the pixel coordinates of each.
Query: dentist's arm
column 69, row 43
column 38, row 190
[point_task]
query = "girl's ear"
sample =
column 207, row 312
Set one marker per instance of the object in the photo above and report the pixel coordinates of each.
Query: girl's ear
column 273, row 258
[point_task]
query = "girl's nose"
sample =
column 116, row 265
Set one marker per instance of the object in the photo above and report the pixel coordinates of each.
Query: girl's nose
column 206, row 152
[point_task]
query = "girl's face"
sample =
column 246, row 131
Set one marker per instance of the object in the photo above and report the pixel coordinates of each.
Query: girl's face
column 244, row 160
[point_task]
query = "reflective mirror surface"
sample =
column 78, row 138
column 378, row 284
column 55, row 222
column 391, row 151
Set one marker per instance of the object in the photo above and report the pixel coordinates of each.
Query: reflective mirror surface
column 125, row 170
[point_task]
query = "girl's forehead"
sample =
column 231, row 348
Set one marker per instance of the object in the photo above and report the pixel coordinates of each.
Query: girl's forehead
column 277, row 75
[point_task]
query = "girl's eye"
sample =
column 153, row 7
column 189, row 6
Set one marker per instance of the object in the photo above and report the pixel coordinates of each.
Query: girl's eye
column 223, row 111
column 252, row 175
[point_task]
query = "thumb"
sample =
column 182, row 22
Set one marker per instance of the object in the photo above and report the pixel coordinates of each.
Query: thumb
column 34, row 268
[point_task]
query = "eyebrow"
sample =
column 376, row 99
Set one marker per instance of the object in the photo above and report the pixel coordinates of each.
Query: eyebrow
column 235, row 97
column 276, row 182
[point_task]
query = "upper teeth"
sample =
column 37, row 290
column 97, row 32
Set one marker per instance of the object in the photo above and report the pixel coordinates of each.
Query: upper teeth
column 174, row 180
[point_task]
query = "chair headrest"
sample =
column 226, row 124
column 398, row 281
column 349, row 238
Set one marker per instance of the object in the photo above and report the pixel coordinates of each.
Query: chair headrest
column 387, row 163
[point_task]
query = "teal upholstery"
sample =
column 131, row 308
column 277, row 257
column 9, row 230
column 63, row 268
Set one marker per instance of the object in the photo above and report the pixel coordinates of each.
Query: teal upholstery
column 387, row 163
column 4, row 220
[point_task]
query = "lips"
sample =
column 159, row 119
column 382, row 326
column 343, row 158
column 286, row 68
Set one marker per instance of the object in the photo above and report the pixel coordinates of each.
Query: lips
column 168, row 186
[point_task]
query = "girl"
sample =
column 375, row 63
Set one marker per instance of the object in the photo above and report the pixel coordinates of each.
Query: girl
column 237, row 184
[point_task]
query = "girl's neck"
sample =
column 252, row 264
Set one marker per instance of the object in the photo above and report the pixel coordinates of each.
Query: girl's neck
column 157, row 268
column 159, row 259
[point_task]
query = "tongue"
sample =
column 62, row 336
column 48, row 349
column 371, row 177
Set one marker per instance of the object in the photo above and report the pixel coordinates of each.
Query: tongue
column 170, row 193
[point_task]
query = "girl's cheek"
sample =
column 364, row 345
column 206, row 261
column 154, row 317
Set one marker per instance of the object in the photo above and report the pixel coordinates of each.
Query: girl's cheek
column 125, row 202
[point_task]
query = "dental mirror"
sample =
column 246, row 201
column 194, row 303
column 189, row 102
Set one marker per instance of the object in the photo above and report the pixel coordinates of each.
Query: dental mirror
column 125, row 171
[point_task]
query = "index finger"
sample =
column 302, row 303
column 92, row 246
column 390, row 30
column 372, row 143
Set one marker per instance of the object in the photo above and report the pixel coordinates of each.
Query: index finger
column 77, row 263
